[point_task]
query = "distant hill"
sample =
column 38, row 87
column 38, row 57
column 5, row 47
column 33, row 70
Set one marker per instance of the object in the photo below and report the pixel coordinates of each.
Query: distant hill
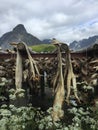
column 85, row 43
column 46, row 41
column 18, row 34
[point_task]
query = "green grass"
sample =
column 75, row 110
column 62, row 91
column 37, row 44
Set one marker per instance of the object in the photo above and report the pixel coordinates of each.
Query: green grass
column 43, row 48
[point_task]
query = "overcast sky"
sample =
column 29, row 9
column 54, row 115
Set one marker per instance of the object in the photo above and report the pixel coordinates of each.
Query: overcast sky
column 66, row 20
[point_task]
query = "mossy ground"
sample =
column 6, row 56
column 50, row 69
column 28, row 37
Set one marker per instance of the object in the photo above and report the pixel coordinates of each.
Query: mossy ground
column 43, row 48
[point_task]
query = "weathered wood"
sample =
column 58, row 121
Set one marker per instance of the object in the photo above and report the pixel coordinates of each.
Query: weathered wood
column 60, row 90
column 40, row 55
column 70, row 78
column 18, row 72
column 82, row 68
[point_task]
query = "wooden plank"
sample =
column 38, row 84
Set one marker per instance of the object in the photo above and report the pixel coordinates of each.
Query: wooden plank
column 39, row 55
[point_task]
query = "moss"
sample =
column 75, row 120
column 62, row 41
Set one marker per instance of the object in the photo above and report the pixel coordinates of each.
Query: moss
column 43, row 48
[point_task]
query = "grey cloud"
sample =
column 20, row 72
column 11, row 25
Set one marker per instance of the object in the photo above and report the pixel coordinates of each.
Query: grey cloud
column 65, row 20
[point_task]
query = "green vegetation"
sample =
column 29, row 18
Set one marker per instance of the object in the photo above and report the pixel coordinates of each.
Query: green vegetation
column 43, row 48
column 30, row 118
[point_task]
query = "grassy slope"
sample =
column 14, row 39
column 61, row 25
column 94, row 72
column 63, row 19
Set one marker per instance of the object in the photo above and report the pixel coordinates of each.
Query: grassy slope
column 43, row 48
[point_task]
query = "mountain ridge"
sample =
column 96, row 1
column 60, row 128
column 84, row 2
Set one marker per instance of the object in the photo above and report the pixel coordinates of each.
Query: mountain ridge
column 19, row 33
column 84, row 43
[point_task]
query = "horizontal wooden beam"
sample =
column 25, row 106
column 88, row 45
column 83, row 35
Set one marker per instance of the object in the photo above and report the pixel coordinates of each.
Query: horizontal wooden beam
column 39, row 55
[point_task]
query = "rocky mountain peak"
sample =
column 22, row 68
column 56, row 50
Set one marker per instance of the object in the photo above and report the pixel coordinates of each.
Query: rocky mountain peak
column 18, row 34
column 19, row 29
column 84, row 43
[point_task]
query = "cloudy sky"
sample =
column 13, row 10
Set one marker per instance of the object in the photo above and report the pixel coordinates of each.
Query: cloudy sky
column 66, row 20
